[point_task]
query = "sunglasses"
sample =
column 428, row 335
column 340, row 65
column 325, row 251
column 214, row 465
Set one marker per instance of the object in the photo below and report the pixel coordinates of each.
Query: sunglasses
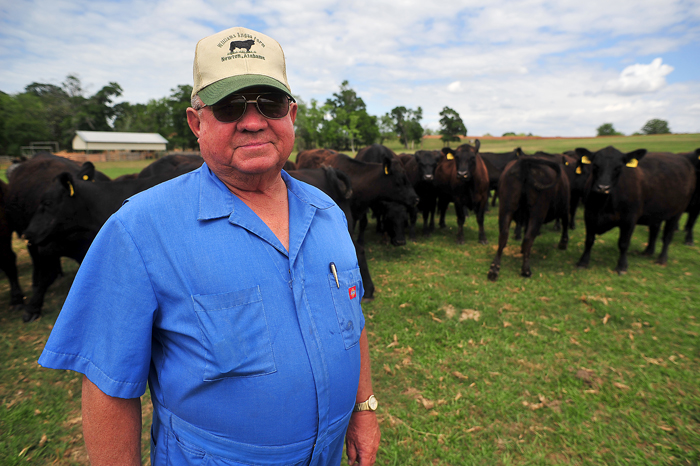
column 271, row 105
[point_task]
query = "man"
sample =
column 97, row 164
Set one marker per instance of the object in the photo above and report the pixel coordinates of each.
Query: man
column 234, row 291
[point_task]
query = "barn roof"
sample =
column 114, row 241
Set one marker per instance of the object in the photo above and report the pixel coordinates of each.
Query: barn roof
column 117, row 137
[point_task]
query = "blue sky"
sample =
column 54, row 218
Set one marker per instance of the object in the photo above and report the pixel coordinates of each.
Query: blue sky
column 555, row 68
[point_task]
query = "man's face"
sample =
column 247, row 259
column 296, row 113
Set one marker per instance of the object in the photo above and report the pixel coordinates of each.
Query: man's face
column 252, row 145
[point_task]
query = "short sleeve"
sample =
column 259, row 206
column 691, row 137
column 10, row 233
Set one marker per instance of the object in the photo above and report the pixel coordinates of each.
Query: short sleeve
column 104, row 329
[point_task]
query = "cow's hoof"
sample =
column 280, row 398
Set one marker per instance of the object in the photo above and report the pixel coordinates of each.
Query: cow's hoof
column 30, row 317
column 563, row 246
column 526, row 273
column 581, row 266
column 367, row 299
column 622, row 272
column 493, row 275
column 484, row 241
column 688, row 243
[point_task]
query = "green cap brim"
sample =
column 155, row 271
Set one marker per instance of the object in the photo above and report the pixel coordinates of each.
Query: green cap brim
column 227, row 86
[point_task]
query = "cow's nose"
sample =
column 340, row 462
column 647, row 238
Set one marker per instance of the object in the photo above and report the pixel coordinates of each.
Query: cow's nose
column 463, row 174
column 604, row 188
column 428, row 177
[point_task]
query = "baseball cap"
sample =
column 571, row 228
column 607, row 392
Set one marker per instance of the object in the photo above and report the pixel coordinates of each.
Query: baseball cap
column 234, row 59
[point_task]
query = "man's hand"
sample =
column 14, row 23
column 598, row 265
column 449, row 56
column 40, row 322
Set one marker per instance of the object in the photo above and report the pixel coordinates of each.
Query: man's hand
column 362, row 439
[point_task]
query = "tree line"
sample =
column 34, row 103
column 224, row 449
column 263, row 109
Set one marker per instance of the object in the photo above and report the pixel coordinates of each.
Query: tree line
column 47, row 112
column 653, row 126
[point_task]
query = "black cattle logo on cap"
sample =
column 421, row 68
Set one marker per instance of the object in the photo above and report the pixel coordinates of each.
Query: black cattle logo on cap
column 241, row 44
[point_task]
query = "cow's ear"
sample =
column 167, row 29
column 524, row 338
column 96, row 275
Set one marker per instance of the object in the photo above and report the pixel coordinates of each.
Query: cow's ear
column 518, row 152
column 86, row 172
column 632, row 158
column 66, row 180
column 477, row 144
column 585, row 154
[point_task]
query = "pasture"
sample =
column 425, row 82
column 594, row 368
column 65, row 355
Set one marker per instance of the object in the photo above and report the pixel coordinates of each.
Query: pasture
column 567, row 367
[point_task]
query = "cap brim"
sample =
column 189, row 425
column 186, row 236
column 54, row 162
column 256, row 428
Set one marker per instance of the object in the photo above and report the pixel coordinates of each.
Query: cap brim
column 227, row 86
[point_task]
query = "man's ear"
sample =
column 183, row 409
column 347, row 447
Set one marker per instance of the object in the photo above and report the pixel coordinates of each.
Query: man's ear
column 193, row 120
column 293, row 107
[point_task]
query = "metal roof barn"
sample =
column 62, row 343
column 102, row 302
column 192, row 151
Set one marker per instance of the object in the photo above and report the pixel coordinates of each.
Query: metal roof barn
column 112, row 140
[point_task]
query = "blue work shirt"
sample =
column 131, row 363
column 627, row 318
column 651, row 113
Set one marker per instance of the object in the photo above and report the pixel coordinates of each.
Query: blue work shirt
column 250, row 351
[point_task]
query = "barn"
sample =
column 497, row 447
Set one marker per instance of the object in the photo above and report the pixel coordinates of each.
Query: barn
column 116, row 141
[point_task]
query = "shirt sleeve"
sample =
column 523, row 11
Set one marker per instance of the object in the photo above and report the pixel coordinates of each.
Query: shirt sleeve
column 104, row 329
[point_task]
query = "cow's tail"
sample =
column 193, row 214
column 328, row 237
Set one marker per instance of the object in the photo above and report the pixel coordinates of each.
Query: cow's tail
column 529, row 169
column 338, row 179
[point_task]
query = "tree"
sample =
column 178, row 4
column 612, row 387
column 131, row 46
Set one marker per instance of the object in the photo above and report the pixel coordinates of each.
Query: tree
column 451, row 126
column 656, row 126
column 180, row 134
column 349, row 114
column 308, row 125
column 407, row 125
column 386, row 128
column 607, row 129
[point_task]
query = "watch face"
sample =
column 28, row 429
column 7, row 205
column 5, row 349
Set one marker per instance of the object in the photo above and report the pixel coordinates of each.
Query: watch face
column 372, row 402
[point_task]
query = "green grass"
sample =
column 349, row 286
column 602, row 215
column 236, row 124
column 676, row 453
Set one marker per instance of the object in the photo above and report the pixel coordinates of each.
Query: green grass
column 567, row 367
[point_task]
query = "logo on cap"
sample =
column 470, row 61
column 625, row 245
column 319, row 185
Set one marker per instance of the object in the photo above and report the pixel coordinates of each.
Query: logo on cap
column 241, row 44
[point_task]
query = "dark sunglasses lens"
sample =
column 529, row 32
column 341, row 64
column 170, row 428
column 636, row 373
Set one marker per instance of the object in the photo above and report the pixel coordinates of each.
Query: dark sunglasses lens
column 230, row 110
column 273, row 106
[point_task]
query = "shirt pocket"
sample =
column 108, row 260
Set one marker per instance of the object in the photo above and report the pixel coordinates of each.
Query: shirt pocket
column 347, row 294
column 234, row 334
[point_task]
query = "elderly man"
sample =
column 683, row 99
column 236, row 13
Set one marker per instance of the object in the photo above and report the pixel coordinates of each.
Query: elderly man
column 234, row 291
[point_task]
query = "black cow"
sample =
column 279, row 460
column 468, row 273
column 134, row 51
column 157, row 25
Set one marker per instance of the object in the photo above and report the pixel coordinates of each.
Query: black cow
column 27, row 183
column 533, row 191
column 420, row 169
column 462, row 178
column 241, row 44
column 694, row 205
column 495, row 164
column 392, row 217
column 171, row 163
column 624, row 190
column 8, row 258
column 338, row 186
column 70, row 213
column 313, row 158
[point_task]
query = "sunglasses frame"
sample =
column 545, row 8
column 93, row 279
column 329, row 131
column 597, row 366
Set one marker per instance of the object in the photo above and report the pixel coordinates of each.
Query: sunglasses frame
column 246, row 102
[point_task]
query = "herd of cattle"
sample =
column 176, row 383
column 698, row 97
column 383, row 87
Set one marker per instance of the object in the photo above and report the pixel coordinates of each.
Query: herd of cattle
column 59, row 206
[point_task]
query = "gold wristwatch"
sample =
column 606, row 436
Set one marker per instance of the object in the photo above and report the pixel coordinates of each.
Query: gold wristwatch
column 369, row 405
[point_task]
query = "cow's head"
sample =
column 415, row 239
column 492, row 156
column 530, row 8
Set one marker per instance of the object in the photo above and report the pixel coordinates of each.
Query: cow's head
column 427, row 163
column 59, row 213
column 393, row 169
column 465, row 160
column 606, row 166
column 395, row 221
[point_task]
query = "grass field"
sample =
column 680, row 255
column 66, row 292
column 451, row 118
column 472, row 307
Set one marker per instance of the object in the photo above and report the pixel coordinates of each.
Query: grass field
column 567, row 367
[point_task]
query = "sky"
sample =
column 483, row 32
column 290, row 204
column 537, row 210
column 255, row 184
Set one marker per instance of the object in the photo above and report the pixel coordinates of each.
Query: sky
column 550, row 68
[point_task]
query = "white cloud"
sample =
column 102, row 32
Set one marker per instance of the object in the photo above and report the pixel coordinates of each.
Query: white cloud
column 639, row 79
column 455, row 87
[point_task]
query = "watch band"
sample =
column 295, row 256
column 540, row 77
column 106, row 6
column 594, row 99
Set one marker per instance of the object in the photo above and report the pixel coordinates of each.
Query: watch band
column 369, row 405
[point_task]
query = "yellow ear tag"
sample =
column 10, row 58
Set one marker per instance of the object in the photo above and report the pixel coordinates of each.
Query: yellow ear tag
column 566, row 163
column 578, row 170
column 633, row 163
column 72, row 191
column 85, row 177
column 386, row 170
column 450, row 156
column 585, row 160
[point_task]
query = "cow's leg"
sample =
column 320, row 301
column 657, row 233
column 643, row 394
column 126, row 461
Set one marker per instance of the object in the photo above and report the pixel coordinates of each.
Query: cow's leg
column 8, row 264
column 564, row 240
column 653, row 234
column 572, row 211
column 504, row 220
column 590, row 239
column 669, row 229
column 412, row 220
column 442, row 207
column 623, row 245
column 46, row 269
column 690, row 223
column 531, row 233
column 459, row 210
column 431, row 210
column 518, row 230
column 495, row 196
column 361, row 228
column 367, row 282
column 480, row 221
